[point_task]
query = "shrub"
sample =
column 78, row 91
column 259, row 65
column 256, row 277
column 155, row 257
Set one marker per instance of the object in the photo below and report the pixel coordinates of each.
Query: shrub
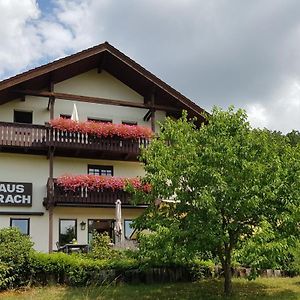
column 101, row 247
column 162, row 248
column 15, row 249
column 76, row 269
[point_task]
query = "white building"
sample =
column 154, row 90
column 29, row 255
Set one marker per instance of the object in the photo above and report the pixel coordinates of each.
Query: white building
column 106, row 86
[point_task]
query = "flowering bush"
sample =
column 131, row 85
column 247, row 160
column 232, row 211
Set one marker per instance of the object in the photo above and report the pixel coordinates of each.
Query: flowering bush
column 94, row 182
column 102, row 129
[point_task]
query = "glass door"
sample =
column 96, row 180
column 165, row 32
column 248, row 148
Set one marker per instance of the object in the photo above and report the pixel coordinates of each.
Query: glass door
column 101, row 226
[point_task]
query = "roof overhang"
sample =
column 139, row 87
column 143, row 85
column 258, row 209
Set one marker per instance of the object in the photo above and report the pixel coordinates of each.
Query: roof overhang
column 104, row 57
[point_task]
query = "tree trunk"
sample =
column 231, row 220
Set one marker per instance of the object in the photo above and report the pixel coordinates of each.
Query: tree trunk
column 227, row 276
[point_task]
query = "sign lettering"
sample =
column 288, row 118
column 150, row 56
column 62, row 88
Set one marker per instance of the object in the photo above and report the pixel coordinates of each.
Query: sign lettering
column 15, row 194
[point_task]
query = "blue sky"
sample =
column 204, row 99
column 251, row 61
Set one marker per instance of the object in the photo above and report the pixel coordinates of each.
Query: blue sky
column 217, row 52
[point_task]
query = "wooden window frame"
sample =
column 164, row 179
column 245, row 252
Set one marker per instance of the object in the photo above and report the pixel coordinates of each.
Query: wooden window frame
column 22, row 111
column 59, row 228
column 21, row 219
column 101, row 167
column 125, row 229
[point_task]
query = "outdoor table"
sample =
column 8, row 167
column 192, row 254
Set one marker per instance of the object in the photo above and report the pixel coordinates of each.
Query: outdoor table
column 69, row 248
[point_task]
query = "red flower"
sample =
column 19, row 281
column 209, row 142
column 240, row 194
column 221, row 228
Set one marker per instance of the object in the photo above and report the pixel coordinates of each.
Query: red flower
column 96, row 182
column 102, row 129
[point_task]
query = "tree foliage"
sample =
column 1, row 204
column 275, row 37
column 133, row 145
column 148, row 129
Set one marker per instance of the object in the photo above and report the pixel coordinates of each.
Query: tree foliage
column 219, row 183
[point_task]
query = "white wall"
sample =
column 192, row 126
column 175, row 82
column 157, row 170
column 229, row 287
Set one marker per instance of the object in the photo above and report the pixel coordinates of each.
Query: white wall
column 65, row 165
column 35, row 169
column 91, row 83
column 84, row 214
column 31, row 169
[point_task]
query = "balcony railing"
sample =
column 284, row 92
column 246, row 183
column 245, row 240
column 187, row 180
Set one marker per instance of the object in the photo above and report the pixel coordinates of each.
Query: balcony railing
column 24, row 137
column 58, row 196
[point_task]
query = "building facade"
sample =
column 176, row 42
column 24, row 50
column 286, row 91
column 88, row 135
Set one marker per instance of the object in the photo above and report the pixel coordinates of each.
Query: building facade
column 107, row 87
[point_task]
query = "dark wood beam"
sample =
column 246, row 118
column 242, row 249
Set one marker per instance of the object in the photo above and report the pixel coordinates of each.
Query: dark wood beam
column 147, row 116
column 20, row 213
column 72, row 97
column 152, row 117
column 101, row 63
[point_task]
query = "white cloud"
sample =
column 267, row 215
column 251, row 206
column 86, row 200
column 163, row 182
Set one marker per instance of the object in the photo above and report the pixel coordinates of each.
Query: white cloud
column 28, row 37
column 257, row 115
column 214, row 51
column 281, row 113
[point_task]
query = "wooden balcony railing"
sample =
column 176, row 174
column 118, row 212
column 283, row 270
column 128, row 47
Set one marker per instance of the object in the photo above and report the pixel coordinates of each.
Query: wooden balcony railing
column 63, row 139
column 38, row 137
column 22, row 135
column 58, row 196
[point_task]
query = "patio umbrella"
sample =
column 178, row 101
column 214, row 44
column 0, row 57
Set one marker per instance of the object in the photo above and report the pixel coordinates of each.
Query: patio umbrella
column 118, row 224
column 74, row 115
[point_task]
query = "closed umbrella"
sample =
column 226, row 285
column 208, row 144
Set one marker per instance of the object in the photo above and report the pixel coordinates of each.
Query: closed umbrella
column 118, row 224
column 74, row 115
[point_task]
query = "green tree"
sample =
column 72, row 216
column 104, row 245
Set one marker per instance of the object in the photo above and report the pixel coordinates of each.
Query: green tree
column 294, row 137
column 221, row 182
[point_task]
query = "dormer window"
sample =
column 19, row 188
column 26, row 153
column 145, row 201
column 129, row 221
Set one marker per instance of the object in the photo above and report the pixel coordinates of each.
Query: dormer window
column 23, row 116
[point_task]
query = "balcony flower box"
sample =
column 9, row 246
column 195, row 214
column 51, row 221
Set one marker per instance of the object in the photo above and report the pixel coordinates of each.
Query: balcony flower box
column 99, row 183
column 102, row 130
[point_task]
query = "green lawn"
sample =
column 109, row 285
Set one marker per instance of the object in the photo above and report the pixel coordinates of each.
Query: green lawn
column 262, row 288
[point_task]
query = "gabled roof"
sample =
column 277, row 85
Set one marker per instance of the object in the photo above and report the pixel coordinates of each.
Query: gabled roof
column 103, row 56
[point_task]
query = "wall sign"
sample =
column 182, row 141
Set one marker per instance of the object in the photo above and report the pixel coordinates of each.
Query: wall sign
column 15, row 194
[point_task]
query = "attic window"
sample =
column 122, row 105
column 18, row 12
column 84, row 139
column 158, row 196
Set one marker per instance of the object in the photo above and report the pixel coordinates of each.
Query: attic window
column 100, row 120
column 23, row 116
column 129, row 123
column 65, row 116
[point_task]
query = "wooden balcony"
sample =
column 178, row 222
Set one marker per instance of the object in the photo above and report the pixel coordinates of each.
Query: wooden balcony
column 37, row 139
column 29, row 138
column 58, row 196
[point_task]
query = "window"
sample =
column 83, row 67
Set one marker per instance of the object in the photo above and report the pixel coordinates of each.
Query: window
column 65, row 116
column 128, row 230
column 100, row 120
column 101, row 226
column 129, row 123
column 23, row 116
column 21, row 224
column 100, row 170
column 67, row 231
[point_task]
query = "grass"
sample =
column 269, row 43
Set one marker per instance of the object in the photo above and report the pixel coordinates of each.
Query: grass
column 262, row 288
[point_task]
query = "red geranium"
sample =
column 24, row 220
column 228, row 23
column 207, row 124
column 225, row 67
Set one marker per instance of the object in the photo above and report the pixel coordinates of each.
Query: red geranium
column 95, row 182
column 102, row 129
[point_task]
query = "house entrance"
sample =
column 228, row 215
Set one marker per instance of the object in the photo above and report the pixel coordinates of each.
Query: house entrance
column 101, row 226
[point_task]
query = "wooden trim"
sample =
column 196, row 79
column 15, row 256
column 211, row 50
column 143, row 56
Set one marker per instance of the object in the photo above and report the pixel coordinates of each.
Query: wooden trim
column 72, row 97
column 152, row 116
column 97, row 50
column 131, row 206
column 147, row 116
column 50, row 229
column 20, row 213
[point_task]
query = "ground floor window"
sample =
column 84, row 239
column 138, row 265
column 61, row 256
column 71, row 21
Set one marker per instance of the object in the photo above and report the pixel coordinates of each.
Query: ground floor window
column 22, row 224
column 67, row 231
column 128, row 230
column 101, row 226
